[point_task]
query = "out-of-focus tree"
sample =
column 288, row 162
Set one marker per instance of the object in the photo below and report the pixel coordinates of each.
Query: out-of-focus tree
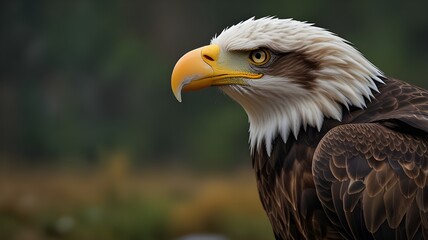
column 82, row 78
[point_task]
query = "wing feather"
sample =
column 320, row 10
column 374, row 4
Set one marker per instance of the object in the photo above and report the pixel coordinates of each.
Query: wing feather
column 371, row 181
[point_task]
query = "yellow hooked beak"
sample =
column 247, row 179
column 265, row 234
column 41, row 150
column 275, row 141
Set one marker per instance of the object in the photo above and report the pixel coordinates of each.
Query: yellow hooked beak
column 200, row 68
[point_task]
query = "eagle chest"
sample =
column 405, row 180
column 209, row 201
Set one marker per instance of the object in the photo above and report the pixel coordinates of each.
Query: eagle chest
column 287, row 191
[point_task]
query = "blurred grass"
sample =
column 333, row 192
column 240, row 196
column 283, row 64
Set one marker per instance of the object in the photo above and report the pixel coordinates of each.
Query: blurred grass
column 116, row 202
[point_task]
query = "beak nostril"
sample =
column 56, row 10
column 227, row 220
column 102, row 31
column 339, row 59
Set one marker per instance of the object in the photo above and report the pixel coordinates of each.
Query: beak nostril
column 208, row 57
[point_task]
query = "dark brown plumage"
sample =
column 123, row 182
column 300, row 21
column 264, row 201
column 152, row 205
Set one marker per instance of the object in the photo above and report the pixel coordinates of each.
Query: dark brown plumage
column 362, row 178
column 295, row 66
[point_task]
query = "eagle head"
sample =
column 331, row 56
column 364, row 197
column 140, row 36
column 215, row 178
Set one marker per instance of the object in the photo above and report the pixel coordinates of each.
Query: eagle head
column 286, row 74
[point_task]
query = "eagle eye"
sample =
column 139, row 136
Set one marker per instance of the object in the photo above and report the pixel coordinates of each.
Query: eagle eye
column 259, row 56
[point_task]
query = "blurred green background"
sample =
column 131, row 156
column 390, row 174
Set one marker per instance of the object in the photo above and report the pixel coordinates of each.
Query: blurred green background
column 94, row 144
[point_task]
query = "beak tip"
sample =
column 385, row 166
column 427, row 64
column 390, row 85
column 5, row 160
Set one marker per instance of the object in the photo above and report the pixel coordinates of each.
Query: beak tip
column 178, row 96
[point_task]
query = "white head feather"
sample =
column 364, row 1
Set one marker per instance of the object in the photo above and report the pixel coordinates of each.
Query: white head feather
column 277, row 105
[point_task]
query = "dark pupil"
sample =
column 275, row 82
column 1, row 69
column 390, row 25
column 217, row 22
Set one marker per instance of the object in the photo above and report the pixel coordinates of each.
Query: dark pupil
column 258, row 55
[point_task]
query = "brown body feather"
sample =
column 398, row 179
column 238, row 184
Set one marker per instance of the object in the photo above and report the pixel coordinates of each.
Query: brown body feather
column 362, row 178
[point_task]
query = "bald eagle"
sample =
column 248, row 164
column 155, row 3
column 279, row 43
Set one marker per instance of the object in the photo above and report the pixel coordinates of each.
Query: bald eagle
column 340, row 151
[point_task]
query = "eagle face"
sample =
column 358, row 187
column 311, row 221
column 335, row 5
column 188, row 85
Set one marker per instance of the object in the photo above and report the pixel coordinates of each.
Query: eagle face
column 286, row 74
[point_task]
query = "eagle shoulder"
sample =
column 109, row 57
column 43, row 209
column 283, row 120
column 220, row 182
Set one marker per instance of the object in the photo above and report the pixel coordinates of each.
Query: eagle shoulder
column 372, row 181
